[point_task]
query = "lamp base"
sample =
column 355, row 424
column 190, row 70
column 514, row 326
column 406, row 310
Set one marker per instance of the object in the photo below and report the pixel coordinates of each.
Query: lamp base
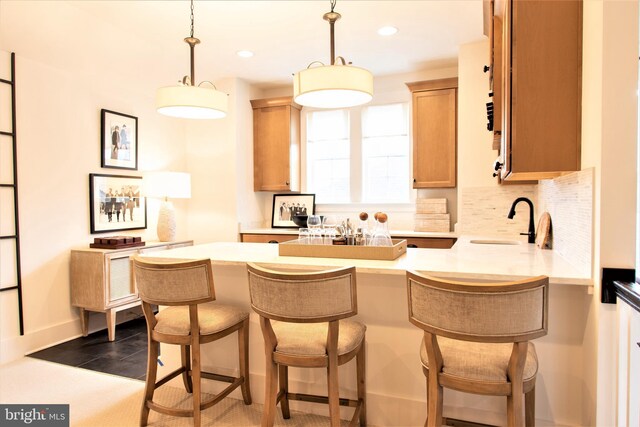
column 167, row 222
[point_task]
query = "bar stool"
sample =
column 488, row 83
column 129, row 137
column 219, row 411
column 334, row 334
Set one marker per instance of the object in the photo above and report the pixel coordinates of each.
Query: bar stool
column 303, row 320
column 476, row 339
column 190, row 320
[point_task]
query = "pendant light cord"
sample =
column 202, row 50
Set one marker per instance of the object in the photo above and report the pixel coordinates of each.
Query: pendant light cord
column 192, row 18
column 333, row 4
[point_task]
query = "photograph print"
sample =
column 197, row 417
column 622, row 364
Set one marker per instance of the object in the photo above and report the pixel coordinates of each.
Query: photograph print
column 286, row 206
column 119, row 140
column 116, row 203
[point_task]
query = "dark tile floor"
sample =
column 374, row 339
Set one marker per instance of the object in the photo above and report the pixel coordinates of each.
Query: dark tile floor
column 126, row 356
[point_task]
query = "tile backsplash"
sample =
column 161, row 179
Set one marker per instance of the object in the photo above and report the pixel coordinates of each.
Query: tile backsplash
column 568, row 199
column 483, row 211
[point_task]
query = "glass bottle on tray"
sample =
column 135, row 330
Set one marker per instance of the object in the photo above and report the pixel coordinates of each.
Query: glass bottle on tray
column 381, row 235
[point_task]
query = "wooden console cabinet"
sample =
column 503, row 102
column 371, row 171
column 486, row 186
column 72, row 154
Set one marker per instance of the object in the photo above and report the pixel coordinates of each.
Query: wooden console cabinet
column 102, row 281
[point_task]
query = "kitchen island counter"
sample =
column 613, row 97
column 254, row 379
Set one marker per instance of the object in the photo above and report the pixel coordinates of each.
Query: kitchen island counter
column 395, row 383
column 464, row 260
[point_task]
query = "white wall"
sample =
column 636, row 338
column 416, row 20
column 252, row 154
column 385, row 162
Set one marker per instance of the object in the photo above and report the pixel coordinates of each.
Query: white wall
column 475, row 153
column 58, row 126
column 609, row 140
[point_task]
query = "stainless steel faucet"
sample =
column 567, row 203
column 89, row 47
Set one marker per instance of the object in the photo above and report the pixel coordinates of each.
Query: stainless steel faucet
column 512, row 213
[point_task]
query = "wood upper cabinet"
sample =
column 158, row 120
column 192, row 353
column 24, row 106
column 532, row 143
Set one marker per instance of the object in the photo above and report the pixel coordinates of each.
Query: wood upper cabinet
column 276, row 144
column 434, row 105
column 540, row 93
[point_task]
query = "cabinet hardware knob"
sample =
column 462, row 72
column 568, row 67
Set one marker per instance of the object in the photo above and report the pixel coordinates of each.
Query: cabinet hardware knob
column 486, row 68
column 497, row 166
column 412, row 246
column 495, row 174
column 286, row 183
column 414, row 180
column 273, row 241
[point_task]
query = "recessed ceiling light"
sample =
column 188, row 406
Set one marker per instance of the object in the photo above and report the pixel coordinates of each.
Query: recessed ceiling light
column 245, row 53
column 387, row 31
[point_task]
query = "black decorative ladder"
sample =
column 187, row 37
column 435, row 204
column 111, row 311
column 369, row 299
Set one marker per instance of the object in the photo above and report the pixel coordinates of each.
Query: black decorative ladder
column 14, row 235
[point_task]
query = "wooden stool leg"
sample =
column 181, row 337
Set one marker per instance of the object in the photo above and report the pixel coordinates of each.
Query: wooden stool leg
column 426, row 374
column 150, row 383
column 283, row 374
column 515, row 401
column 530, row 408
column 332, row 374
column 362, row 385
column 271, row 374
column 243, row 351
column 196, row 382
column 434, row 401
column 185, row 355
column 270, row 392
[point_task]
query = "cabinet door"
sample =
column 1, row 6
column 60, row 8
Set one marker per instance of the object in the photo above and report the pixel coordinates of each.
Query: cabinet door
column 542, row 88
column 434, row 138
column 429, row 242
column 628, row 393
column 276, row 148
column 634, row 369
column 120, row 287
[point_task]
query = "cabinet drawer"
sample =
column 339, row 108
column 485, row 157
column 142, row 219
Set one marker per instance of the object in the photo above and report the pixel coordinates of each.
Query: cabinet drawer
column 267, row 238
column 430, row 242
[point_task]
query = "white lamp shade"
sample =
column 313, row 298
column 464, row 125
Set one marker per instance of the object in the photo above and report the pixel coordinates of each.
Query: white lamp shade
column 333, row 86
column 173, row 185
column 191, row 102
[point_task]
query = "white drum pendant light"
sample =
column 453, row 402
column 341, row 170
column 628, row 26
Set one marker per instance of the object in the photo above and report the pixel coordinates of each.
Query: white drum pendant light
column 332, row 86
column 187, row 100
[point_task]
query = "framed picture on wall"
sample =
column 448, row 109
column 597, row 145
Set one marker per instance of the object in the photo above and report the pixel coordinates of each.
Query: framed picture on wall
column 115, row 203
column 119, row 140
column 286, row 206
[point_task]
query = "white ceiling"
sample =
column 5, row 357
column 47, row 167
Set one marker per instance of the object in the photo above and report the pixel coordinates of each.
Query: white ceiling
column 144, row 36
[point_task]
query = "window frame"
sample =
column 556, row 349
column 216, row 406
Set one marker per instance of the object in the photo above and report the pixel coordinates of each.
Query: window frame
column 356, row 161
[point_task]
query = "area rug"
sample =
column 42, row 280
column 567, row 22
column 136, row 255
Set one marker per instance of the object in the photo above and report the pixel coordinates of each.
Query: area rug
column 103, row 400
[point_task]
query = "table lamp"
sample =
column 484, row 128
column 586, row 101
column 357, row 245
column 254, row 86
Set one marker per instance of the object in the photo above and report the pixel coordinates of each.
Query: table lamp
column 166, row 185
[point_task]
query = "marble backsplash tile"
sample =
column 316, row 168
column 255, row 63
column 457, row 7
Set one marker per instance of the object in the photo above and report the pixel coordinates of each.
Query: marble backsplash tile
column 483, row 211
column 568, row 199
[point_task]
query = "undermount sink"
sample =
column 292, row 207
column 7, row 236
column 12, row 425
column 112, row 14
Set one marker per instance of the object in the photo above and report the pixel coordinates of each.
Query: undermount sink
column 494, row 242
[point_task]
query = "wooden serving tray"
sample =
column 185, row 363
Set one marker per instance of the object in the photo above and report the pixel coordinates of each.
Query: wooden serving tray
column 116, row 242
column 387, row 253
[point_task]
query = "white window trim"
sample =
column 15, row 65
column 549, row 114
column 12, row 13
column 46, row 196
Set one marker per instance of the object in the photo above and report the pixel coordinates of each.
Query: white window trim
column 356, row 132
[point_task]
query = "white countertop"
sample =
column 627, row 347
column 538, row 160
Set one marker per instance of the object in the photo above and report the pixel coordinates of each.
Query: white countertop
column 464, row 260
column 394, row 233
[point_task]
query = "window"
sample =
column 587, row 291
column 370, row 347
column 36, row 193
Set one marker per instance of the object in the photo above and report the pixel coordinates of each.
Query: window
column 385, row 154
column 359, row 155
column 328, row 154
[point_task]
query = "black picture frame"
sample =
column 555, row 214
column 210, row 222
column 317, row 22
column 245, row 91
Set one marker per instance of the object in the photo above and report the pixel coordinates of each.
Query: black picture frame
column 281, row 218
column 124, row 209
column 118, row 140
